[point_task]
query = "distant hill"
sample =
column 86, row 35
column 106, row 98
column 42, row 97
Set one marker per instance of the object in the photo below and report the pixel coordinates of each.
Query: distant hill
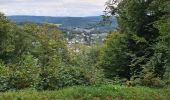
column 64, row 21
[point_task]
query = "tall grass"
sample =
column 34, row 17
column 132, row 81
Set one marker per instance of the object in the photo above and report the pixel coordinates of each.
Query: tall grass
column 104, row 92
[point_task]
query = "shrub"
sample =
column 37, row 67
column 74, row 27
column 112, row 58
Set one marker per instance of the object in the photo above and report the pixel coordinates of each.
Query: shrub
column 19, row 76
column 136, row 82
column 152, row 81
column 158, row 83
column 24, row 74
column 63, row 76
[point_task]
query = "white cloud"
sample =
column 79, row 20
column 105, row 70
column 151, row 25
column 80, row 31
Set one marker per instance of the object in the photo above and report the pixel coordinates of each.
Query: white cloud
column 53, row 7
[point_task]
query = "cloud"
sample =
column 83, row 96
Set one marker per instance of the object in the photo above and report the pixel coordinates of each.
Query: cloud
column 53, row 7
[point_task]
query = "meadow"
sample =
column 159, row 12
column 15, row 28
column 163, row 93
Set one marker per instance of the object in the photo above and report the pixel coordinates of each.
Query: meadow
column 103, row 92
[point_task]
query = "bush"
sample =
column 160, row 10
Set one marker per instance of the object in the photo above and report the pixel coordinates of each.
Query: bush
column 25, row 74
column 152, row 81
column 64, row 76
column 158, row 83
column 57, row 75
column 136, row 82
column 19, row 76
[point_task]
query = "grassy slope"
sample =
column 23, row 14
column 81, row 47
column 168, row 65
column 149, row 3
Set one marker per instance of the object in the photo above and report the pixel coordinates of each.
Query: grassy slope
column 108, row 92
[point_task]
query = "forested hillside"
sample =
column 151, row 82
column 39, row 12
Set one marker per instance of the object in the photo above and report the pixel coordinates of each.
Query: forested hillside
column 132, row 63
column 82, row 22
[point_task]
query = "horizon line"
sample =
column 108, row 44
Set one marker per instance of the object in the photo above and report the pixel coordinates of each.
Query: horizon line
column 53, row 16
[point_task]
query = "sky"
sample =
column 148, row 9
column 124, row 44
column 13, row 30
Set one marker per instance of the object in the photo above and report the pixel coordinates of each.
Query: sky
column 72, row 8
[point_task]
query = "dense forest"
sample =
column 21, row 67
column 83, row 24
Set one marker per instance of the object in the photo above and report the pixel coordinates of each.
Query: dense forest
column 137, row 54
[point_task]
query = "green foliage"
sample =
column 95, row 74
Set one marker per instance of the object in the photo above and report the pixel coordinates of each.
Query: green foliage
column 19, row 76
column 87, row 56
column 48, row 44
column 25, row 74
column 162, row 47
column 37, row 57
column 145, row 25
column 6, row 45
column 150, row 80
column 60, row 76
column 4, row 73
column 55, row 77
column 114, row 58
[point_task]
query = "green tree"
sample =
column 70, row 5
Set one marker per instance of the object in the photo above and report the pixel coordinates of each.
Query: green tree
column 113, row 56
column 14, row 41
column 28, row 53
column 48, row 44
column 6, row 38
column 136, row 19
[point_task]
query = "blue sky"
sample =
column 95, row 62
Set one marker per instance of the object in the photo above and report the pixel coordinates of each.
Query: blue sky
column 53, row 7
